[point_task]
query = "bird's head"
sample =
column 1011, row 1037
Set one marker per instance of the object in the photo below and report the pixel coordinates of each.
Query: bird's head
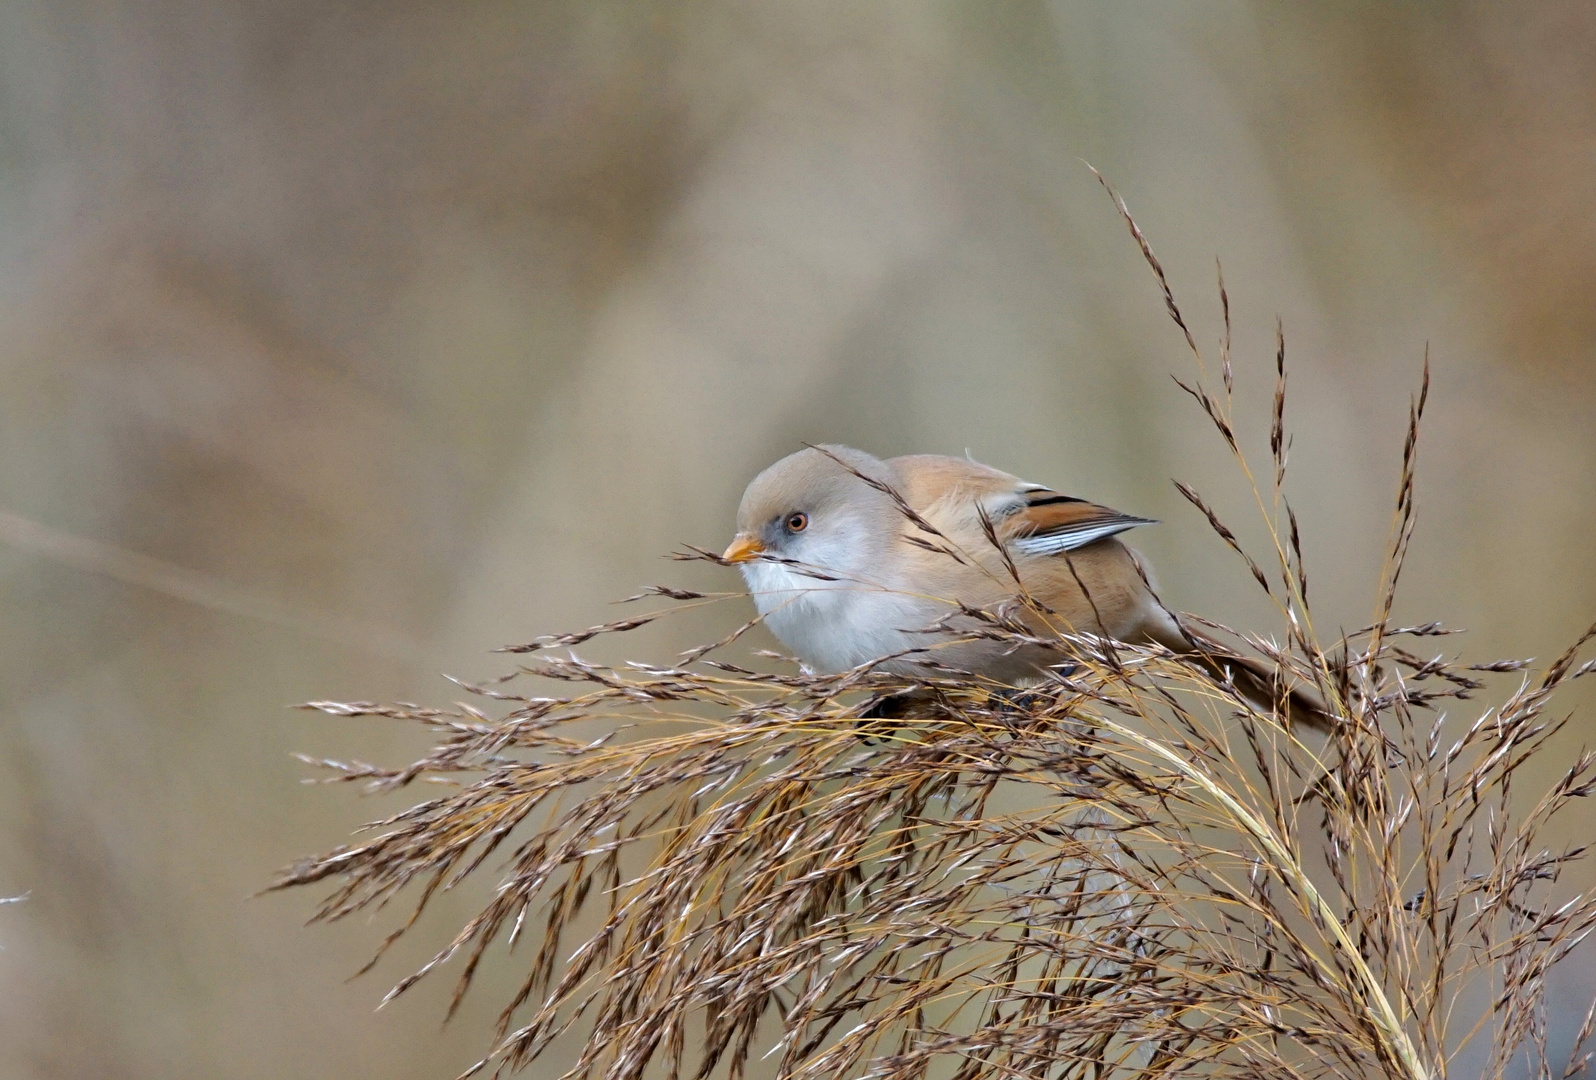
column 813, row 508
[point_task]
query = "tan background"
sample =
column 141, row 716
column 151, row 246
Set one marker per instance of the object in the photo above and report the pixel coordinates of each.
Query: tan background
column 395, row 332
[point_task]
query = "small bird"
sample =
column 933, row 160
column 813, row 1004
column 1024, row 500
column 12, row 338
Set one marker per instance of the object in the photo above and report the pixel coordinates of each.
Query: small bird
column 851, row 559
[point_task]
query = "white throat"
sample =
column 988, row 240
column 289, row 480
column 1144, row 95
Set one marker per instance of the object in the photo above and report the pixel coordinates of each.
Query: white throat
column 834, row 625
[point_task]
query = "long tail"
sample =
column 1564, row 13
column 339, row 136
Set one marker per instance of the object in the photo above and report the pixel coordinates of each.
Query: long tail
column 1259, row 681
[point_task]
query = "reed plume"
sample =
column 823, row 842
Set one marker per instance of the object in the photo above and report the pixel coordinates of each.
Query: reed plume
column 1128, row 871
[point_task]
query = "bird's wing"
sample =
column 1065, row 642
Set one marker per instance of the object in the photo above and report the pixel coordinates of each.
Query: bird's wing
column 1030, row 518
column 1040, row 521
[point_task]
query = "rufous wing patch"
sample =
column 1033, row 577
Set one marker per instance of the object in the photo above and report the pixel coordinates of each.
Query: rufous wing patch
column 1048, row 523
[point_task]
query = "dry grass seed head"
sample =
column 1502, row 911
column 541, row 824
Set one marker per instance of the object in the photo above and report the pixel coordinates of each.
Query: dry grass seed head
column 1126, row 871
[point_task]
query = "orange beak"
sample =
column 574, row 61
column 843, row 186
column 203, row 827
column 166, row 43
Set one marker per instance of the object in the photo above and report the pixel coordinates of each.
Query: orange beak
column 744, row 548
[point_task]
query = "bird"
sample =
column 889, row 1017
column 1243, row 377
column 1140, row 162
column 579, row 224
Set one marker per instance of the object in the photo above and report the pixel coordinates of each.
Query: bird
column 857, row 561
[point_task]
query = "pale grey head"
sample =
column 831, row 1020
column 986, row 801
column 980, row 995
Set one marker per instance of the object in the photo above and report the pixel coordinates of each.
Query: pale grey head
column 811, row 542
column 812, row 506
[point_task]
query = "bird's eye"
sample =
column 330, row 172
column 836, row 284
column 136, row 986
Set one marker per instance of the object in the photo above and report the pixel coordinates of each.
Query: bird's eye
column 797, row 522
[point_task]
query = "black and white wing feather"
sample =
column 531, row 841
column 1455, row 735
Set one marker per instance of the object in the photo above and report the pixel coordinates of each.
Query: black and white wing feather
column 1047, row 523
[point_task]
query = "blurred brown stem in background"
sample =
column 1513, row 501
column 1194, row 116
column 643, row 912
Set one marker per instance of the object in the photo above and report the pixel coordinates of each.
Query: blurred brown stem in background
column 201, row 589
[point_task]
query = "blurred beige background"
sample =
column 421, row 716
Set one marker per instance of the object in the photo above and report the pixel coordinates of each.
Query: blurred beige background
column 342, row 343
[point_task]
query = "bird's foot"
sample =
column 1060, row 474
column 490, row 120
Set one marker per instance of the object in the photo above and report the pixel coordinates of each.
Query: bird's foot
column 885, row 715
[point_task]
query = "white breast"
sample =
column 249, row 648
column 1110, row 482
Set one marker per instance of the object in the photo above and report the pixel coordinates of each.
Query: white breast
column 835, row 625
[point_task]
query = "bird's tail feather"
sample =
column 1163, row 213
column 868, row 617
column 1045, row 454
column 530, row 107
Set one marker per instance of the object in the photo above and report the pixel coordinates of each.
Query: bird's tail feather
column 1259, row 681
